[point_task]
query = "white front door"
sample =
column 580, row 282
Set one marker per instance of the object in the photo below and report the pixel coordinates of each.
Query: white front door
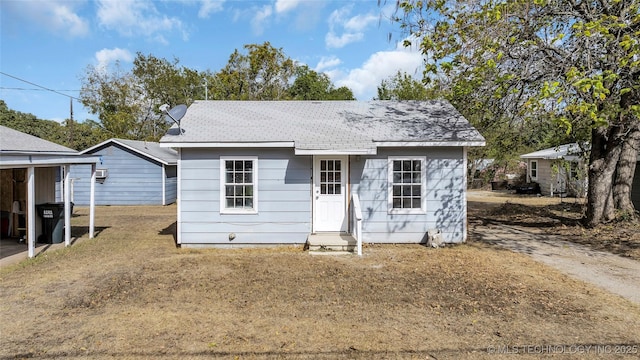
column 329, row 194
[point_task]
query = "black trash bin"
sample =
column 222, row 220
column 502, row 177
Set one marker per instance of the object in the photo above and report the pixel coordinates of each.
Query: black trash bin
column 52, row 215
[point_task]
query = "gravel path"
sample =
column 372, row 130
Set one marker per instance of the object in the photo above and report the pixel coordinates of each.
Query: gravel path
column 608, row 271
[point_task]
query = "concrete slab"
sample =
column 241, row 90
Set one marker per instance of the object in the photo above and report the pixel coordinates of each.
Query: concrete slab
column 331, row 242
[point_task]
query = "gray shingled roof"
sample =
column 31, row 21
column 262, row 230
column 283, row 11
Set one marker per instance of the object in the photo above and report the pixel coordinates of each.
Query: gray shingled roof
column 329, row 125
column 16, row 141
column 148, row 149
column 567, row 151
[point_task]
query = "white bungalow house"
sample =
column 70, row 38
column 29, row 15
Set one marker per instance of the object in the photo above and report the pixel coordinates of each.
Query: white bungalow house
column 280, row 172
column 28, row 167
column 560, row 171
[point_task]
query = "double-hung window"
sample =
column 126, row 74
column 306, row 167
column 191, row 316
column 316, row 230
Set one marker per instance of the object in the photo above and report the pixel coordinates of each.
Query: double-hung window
column 407, row 185
column 238, row 185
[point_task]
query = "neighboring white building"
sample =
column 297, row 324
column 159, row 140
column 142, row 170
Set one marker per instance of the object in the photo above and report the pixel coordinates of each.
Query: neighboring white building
column 560, row 171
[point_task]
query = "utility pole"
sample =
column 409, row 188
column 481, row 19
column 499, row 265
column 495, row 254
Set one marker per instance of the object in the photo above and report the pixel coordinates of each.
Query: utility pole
column 71, row 144
column 206, row 89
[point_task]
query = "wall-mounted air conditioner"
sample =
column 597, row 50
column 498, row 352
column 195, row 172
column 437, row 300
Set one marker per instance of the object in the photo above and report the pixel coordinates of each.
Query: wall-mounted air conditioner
column 101, row 173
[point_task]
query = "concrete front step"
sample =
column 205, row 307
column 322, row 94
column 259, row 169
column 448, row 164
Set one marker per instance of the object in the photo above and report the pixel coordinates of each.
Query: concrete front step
column 331, row 242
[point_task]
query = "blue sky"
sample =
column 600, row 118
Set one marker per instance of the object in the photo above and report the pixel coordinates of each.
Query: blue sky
column 51, row 42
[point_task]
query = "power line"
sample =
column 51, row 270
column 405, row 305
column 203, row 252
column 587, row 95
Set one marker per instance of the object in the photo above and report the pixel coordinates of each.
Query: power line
column 40, row 86
column 32, row 89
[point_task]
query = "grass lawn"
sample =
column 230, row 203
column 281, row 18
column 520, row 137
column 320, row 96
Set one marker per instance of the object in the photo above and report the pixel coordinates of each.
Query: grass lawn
column 130, row 293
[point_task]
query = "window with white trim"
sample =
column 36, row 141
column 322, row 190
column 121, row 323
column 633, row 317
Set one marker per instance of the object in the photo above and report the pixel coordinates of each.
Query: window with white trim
column 238, row 185
column 407, row 185
column 533, row 169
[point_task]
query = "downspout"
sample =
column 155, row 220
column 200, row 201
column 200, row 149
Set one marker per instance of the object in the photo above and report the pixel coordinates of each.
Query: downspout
column 164, row 189
column 179, row 198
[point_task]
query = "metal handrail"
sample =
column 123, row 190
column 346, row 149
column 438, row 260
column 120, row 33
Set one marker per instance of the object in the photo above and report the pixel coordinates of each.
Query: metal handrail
column 357, row 221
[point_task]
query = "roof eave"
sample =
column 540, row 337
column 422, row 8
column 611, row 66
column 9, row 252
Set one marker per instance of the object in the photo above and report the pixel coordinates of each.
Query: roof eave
column 22, row 159
column 32, row 152
column 368, row 151
column 136, row 150
column 291, row 144
column 464, row 143
column 249, row 144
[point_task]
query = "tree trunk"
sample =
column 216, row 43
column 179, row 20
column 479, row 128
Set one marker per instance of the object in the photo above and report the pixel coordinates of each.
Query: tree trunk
column 605, row 152
column 625, row 170
column 609, row 213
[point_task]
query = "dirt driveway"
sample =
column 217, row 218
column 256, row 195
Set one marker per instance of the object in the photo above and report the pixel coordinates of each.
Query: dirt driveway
column 608, row 271
column 611, row 272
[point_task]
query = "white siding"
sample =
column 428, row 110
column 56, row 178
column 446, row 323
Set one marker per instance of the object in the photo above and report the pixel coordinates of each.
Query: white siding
column 552, row 180
column 446, row 201
column 284, row 185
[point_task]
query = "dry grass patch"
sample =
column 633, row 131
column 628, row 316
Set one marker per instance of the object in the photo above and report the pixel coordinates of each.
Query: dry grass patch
column 130, row 293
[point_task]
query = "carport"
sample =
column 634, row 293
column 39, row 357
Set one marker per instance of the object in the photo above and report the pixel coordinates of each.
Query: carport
column 28, row 167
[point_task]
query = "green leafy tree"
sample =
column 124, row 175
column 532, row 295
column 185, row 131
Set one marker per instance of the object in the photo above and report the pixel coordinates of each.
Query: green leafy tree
column 164, row 82
column 402, row 86
column 118, row 100
column 30, row 124
column 311, row 85
column 82, row 135
column 75, row 135
column 575, row 61
column 263, row 73
column 127, row 102
column 340, row 93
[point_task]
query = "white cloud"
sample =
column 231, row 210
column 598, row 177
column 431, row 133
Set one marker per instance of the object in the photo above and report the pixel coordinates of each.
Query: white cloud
column 136, row 17
column 327, row 63
column 209, row 6
column 360, row 22
column 105, row 57
column 261, row 16
column 352, row 27
column 282, row 6
column 57, row 16
column 364, row 80
column 334, row 41
column 65, row 18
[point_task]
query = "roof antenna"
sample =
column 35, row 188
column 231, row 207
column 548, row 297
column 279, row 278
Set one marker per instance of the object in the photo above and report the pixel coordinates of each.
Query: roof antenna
column 175, row 114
